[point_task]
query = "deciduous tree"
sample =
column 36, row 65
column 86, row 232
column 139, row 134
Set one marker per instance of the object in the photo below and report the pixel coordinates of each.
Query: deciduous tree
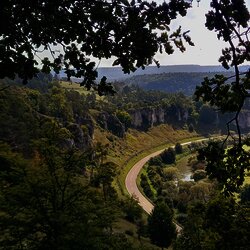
column 161, row 228
column 73, row 31
column 230, row 20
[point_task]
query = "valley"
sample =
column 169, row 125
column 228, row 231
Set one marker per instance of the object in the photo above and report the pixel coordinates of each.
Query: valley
column 103, row 147
column 100, row 148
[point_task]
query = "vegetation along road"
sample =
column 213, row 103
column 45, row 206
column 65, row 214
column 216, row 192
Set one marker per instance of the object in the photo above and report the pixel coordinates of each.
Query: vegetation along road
column 130, row 181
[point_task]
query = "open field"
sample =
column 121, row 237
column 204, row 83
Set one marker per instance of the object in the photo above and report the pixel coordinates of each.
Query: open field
column 76, row 87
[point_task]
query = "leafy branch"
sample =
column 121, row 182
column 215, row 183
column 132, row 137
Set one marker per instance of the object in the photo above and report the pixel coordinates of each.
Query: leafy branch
column 228, row 166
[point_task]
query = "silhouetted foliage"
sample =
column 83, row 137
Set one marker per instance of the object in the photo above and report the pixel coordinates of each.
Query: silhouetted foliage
column 102, row 29
column 228, row 94
column 245, row 194
column 220, row 224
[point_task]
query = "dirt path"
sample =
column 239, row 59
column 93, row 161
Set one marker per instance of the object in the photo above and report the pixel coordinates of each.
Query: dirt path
column 131, row 177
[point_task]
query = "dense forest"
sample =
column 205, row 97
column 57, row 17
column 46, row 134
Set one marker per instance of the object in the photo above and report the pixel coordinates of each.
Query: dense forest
column 184, row 82
column 56, row 173
column 67, row 149
column 54, row 178
column 209, row 220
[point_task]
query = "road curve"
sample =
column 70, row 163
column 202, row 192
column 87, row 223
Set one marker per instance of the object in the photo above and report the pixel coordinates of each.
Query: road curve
column 131, row 185
column 130, row 181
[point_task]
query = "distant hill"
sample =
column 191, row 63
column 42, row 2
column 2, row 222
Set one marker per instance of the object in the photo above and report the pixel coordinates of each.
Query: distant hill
column 116, row 73
column 184, row 82
column 173, row 78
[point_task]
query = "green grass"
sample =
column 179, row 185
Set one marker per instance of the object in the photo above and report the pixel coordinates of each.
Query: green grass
column 76, row 86
column 138, row 157
column 125, row 152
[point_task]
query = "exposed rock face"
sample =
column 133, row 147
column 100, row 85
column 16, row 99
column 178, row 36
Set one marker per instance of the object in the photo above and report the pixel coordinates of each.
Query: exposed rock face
column 115, row 126
column 221, row 119
column 81, row 138
column 111, row 122
column 244, row 119
column 148, row 117
column 102, row 120
column 88, row 122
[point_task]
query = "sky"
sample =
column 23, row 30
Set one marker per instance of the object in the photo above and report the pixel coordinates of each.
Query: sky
column 207, row 49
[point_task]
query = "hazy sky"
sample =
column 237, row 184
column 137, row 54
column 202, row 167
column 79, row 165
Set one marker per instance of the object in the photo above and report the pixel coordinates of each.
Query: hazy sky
column 207, row 48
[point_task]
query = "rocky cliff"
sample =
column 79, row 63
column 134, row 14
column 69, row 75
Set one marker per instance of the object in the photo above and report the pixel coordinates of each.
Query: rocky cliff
column 244, row 119
column 111, row 123
column 145, row 118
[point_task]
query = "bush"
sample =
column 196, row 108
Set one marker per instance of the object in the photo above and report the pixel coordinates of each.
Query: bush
column 146, row 187
column 245, row 194
column 155, row 161
column 178, row 148
column 181, row 218
column 191, row 128
column 171, row 173
column 199, row 175
column 168, row 156
column 124, row 117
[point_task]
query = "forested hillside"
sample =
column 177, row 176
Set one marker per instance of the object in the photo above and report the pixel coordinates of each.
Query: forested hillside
column 73, row 156
column 60, row 153
column 62, row 146
column 184, row 82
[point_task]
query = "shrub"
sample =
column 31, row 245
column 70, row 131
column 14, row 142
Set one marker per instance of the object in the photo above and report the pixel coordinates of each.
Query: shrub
column 178, row 148
column 191, row 128
column 181, row 218
column 146, row 187
column 245, row 194
column 199, row 175
column 168, row 156
column 129, row 232
column 171, row 173
column 155, row 161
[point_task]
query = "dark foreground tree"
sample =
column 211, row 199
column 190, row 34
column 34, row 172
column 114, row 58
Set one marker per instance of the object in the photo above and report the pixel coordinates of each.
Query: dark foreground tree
column 72, row 31
column 46, row 202
column 230, row 20
column 218, row 224
column 161, row 228
column 245, row 194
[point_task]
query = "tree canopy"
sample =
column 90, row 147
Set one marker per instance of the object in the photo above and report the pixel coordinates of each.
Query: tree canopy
column 73, row 32
column 161, row 228
column 230, row 20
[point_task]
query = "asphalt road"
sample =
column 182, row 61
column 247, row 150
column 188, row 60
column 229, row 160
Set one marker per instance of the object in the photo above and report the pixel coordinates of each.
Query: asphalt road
column 130, row 181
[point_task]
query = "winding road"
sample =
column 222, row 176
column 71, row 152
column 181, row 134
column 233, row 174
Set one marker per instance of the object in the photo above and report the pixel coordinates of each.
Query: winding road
column 130, row 181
